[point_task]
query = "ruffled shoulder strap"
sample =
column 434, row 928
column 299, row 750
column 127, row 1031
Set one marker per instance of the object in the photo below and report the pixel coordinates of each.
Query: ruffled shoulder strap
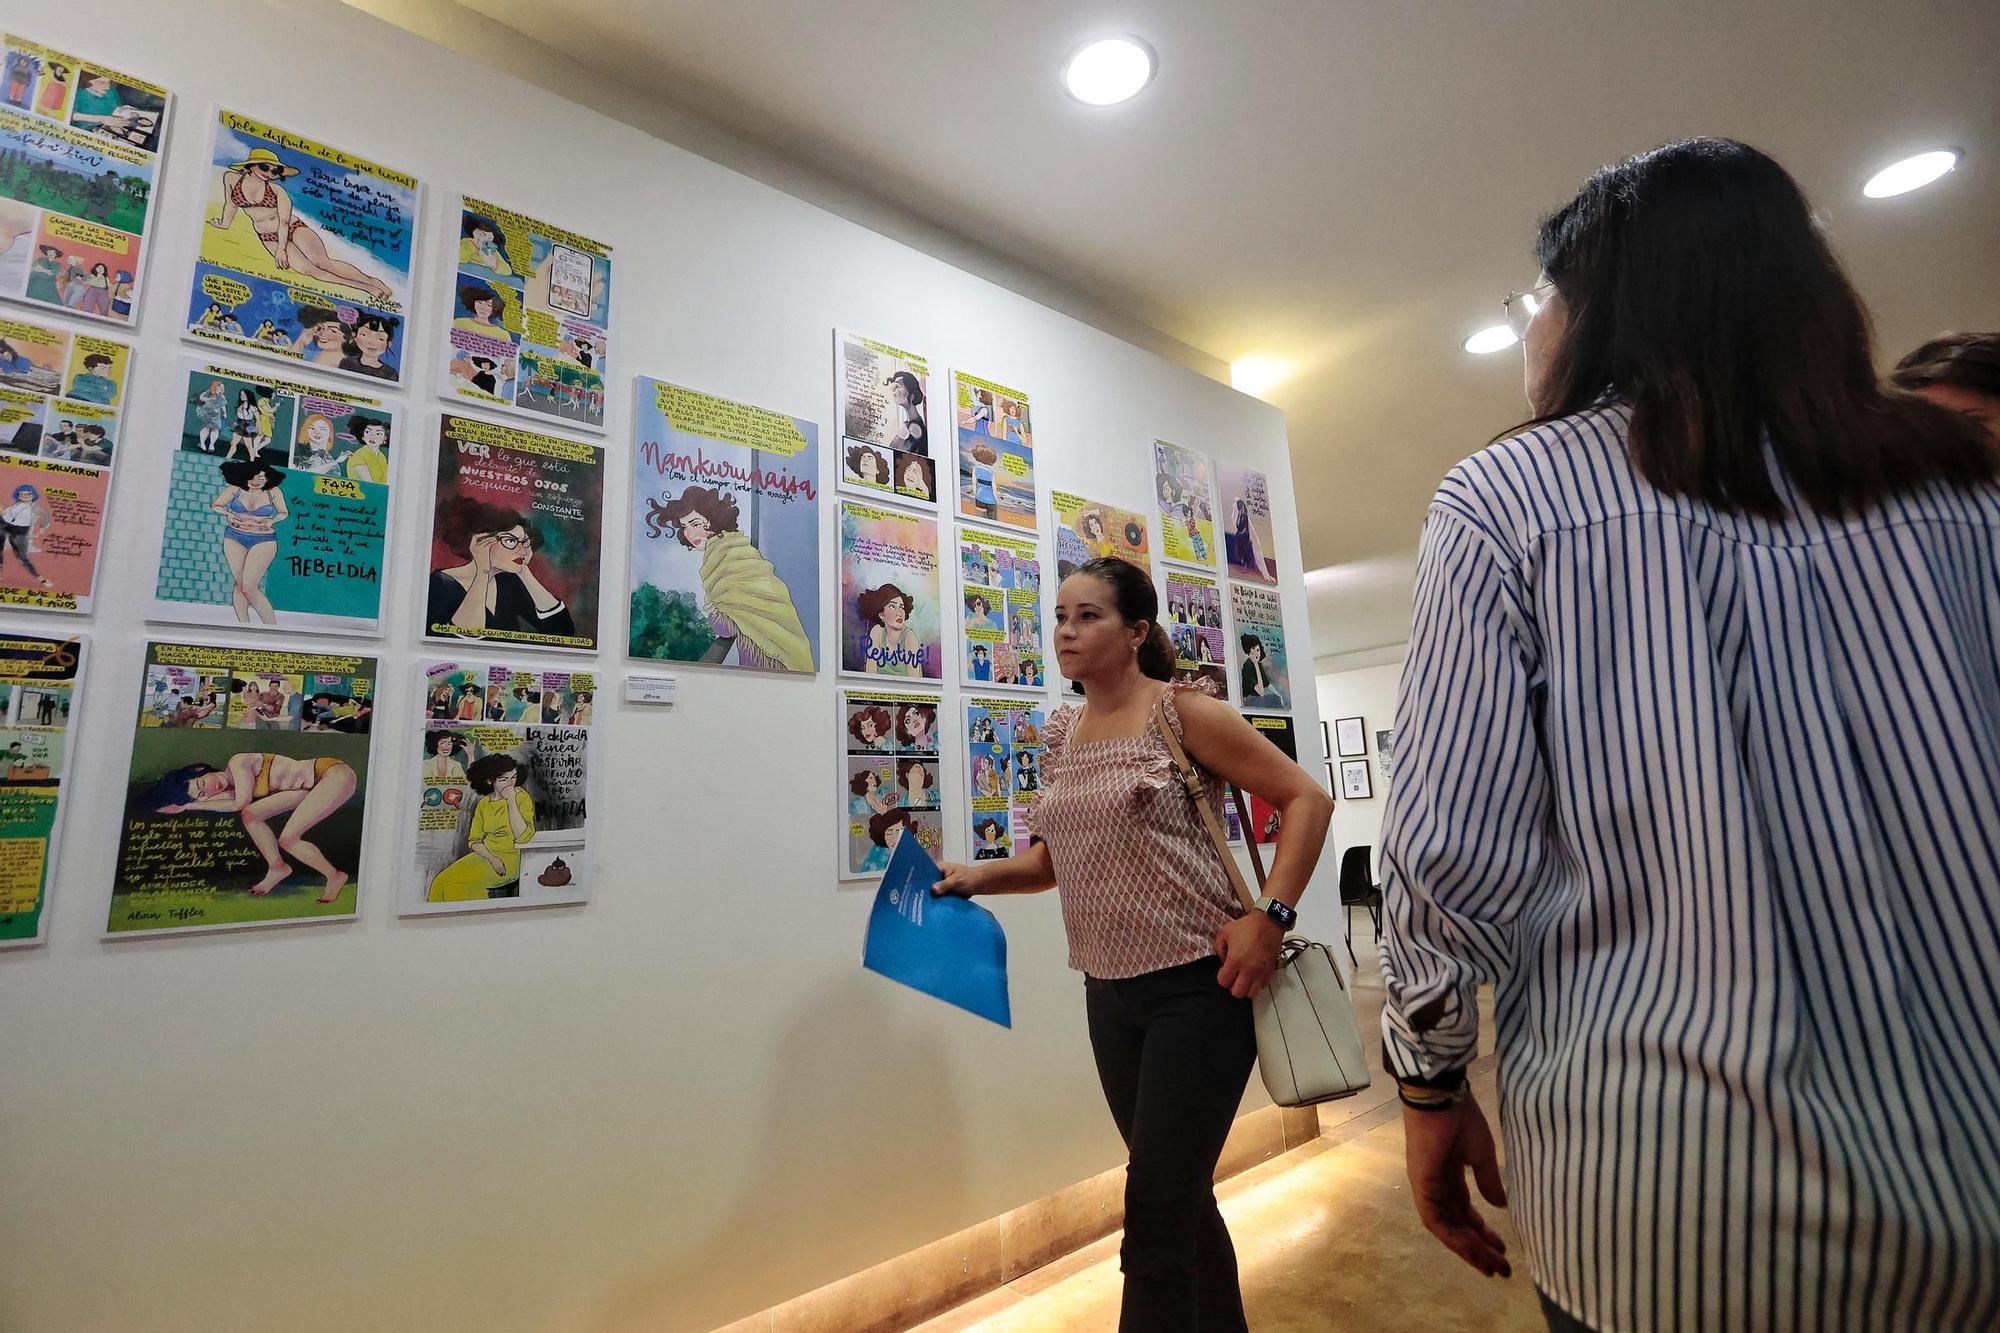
column 1175, row 689
column 1055, row 732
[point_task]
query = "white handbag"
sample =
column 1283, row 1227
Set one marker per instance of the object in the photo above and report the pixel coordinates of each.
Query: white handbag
column 1308, row 1044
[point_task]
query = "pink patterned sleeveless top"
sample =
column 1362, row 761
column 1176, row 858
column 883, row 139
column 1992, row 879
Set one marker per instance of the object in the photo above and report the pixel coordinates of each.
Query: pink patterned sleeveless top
column 1142, row 887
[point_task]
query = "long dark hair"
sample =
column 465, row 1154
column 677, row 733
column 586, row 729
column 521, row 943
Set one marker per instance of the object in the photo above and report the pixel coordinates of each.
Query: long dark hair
column 1137, row 600
column 1969, row 361
column 1698, row 289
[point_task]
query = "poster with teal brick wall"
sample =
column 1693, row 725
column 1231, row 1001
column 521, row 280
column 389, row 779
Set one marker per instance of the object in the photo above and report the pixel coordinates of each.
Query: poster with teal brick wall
column 277, row 504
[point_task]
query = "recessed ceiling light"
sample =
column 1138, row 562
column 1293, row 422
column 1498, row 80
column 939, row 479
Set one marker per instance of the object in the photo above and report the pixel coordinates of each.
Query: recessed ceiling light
column 1492, row 338
column 1108, row 70
column 1255, row 375
column 1912, row 173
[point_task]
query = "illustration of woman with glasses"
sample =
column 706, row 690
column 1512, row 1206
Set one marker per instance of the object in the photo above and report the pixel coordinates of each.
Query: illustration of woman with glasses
column 496, row 588
column 295, row 246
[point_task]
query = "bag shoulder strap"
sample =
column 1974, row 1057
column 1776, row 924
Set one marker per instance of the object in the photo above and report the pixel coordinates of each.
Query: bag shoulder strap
column 1197, row 792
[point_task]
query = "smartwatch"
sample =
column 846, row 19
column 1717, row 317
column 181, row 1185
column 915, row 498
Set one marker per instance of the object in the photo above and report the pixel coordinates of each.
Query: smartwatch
column 1285, row 916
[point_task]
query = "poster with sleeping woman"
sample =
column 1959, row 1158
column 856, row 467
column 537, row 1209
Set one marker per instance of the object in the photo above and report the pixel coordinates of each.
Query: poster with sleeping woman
column 1246, row 524
column 277, row 505
column 725, row 533
column 62, row 402
column 1003, row 772
column 892, row 779
column 889, row 617
column 38, row 702
column 882, row 395
column 530, row 326
column 80, row 154
column 306, row 253
column 516, row 534
column 244, row 798
column 502, row 790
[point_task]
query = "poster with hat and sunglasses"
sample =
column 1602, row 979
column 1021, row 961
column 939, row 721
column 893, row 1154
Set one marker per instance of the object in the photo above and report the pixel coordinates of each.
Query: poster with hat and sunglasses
column 306, row 253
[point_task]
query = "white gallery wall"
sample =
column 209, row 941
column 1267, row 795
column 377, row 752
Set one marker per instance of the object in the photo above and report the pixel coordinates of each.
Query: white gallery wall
column 666, row 1109
column 1368, row 693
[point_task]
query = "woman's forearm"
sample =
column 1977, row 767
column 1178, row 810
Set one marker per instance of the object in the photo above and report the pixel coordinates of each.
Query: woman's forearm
column 1033, row 871
column 1301, row 836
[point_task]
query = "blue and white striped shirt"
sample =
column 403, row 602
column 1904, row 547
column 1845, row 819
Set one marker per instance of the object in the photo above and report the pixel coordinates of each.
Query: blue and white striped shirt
column 1715, row 801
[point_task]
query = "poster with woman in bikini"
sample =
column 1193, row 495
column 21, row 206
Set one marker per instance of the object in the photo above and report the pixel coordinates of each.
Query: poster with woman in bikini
column 240, row 809
column 306, row 253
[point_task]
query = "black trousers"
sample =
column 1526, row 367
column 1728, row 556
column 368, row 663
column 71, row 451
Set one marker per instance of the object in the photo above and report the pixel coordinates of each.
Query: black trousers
column 1173, row 1051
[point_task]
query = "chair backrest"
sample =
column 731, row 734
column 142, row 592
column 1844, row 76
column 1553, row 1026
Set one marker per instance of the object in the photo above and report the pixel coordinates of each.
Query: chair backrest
column 1356, row 883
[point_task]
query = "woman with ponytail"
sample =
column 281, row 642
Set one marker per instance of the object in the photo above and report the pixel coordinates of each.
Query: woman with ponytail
column 1170, row 959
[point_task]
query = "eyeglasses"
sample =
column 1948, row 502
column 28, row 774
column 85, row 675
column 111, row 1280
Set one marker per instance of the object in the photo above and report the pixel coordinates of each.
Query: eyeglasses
column 507, row 541
column 1521, row 306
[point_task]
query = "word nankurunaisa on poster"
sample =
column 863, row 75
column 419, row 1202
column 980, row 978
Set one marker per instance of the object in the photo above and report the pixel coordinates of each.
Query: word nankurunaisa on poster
column 277, row 508
column 1089, row 529
column 1000, row 592
column 243, row 803
column 516, row 533
column 1245, row 517
column 62, row 400
column 883, row 399
column 891, row 776
column 1003, row 769
column 1262, row 672
column 1181, row 489
column 503, row 788
column 39, row 681
column 80, row 147
column 889, row 616
column 725, row 532
column 1193, row 614
column 306, row 253
column 530, row 317
column 996, row 452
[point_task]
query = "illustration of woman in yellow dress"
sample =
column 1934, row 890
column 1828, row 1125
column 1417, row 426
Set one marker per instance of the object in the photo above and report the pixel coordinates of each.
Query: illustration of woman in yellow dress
column 502, row 819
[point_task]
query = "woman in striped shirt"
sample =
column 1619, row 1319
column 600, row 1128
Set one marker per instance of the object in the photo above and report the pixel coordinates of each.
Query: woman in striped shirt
column 1698, row 759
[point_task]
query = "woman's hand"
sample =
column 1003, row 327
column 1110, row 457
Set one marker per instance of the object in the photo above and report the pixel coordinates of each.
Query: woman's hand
column 1248, row 948
column 958, row 881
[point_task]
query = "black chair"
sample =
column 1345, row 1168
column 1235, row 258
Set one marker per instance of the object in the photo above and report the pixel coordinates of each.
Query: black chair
column 1359, row 889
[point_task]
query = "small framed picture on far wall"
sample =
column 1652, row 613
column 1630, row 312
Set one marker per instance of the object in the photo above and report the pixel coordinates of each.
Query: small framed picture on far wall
column 1351, row 735
column 1355, row 783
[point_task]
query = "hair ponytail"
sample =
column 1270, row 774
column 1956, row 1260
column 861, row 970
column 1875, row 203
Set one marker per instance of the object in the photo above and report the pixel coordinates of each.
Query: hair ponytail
column 1156, row 655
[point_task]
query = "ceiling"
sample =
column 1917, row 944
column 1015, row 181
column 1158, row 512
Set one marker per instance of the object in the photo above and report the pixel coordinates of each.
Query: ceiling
column 1345, row 188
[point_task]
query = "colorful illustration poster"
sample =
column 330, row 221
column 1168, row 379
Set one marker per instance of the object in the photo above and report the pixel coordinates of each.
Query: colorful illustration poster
column 996, row 452
column 1193, row 612
column 62, row 398
column 306, row 253
column 1247, row 537
column 80, row 148
column 1264, row 817
column 889, row 615
column 38, row 684
column 1000, row 598
column 517, row 530
column 277, row 505
column 1087, row 529
column 1261, row 670
column 1184, row 493
column 1003, row 772
column 891, row 778
column 883, row 397
column 725, row 533
column 243, row 803
column 502, row 788
column 530, row 323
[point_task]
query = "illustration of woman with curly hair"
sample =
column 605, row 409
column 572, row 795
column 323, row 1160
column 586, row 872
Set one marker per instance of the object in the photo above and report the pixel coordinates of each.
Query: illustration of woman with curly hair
column 485, row 311
column 866, row 465
column 26, row 518
column 496, row 588
column 1259, row 691
column 252, row 185
column 916, row 726
column 992, row 845
column 984, row 456
column 985, row 776
column 866, row 799
column 749, row 608
column 320, row 330
column 913, row 780
column 256, row 787
column 912, row 433
column 894, row 646
column 885, row 831
column 502, row 819
column 872, row 728
column 442, row 768
column 252, row 506
column 1090, row 526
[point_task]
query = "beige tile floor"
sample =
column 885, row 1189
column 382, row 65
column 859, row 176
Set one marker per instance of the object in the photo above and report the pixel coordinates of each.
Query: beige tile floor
column 1325, row 1236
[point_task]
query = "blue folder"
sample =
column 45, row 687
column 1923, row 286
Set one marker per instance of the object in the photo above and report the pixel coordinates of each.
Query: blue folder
column 946, row 947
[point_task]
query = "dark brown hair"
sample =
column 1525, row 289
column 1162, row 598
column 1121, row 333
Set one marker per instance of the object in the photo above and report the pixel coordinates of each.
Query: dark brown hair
column 716, row 509
column 1969, row 361
column 875, row 714
column 460, row 518
column 879, row 826
column 1137, row 601
column 1699, row 289
column 872, row 602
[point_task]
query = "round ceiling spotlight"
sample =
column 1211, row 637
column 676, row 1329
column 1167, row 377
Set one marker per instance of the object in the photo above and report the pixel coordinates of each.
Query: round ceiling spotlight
column 1492, row 338
column 1109, row 70
column 1912, row 173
